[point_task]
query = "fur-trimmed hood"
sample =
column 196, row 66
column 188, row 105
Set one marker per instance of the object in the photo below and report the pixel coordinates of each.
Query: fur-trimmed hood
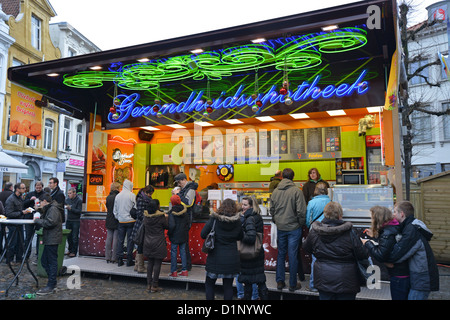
column 224, row 218
column 329, row 230
column 153, row 215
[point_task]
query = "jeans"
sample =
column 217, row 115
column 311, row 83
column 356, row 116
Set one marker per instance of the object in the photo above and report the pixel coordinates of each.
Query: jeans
column 399, row 288
column 288, row 242
column 240, row 290
column 173, row 256
column 72, row 239
column 418, row 295
column 49, row 261
column 125, row 229
column 311, row 277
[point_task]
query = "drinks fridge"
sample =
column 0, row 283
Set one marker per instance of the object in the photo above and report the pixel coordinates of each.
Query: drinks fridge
column 375, row 167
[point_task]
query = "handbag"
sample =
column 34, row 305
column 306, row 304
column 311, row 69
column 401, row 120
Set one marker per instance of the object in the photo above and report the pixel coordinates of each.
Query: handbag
column 140, row 234
column 362, row 264
column 273, row 235
column 208, row 244
column 250, row 251
column 133, row 213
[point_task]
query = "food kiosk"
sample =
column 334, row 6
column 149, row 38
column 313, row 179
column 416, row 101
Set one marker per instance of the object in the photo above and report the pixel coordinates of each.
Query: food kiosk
column 235, row 105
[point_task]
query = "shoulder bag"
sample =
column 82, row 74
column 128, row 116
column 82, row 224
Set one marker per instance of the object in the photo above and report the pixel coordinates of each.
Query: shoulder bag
column 208, row 244
column 362, row 264
column 250, row 251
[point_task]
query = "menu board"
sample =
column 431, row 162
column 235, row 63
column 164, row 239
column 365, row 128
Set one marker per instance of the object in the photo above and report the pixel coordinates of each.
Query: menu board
column 280, row 143
column 264, row 143
column 314, row 140
column 297, row 140
column 332, row 139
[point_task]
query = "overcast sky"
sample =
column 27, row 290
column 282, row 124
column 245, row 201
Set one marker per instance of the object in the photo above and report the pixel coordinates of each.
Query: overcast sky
column 111, row 24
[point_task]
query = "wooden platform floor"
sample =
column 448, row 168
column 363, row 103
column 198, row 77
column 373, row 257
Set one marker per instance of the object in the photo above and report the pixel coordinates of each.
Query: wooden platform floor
column 197, row 275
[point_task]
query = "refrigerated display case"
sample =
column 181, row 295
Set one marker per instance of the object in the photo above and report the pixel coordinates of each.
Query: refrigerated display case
column 375, row 166
column 356, row 201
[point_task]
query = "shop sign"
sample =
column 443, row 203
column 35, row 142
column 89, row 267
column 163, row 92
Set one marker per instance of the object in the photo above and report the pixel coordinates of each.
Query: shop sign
column 373, row 141
column 96, row 180
column 130, row 106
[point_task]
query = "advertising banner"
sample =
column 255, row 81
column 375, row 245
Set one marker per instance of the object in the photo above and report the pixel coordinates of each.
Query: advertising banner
column 26, row 117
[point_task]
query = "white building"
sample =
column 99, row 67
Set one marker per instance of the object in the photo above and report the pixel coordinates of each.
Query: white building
column 72, row 131
column 431, row 141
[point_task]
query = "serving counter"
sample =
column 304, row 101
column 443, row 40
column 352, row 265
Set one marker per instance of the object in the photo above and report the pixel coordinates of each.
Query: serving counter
column 93, row 236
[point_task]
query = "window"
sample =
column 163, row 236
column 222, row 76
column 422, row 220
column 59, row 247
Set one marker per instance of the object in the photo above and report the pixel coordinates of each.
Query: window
column 66, row 134
column 413, row 67
column 36, row 24
column 421, row 127
column 31, row 143
column 79, row 139
column 446, row 121
column 71, row 52
column 48, row 134
column 14, row 138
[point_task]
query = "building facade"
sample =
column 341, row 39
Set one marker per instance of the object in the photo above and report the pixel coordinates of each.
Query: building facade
column 431, row 134
column 29, row 26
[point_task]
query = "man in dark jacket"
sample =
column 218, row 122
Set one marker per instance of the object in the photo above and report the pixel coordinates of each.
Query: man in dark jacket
column 414, row 247
column 30, row 202
column 14, row 210
column 50, row 221
column 288, row 210
column 73, row 206
column 275, row 181
column 58, row 195
column 187, row 194
column 7, row 191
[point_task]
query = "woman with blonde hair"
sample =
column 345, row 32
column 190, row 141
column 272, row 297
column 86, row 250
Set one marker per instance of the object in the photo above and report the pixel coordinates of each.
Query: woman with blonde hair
column 385, row 231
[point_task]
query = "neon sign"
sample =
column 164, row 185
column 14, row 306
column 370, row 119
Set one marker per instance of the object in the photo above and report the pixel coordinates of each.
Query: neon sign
column 129, row 103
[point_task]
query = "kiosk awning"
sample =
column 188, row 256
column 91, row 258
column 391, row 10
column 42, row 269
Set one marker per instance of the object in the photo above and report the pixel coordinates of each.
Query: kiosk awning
column 9, row 164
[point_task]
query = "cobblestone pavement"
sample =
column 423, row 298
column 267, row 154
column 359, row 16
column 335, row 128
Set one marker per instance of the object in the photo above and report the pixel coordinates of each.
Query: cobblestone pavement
column 101, row 287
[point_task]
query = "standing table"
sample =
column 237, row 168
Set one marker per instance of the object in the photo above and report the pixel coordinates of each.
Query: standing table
column 17, row 222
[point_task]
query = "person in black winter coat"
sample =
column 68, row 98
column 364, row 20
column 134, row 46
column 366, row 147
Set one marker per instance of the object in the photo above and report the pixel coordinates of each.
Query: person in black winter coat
column 335, row 270
column 178, row 233
column 223, row 261
column 111, row 225
column 385, row 231
column 252, row 271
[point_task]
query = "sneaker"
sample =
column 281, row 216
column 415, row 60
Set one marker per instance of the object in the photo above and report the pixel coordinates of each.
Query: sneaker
column 45, row 291
column 184, row 273
column 311, row 289
column 281, row 285
column 173, row 275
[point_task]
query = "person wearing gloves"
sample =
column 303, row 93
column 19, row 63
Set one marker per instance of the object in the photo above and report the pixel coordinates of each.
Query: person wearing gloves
column 124, row 202
column 51, row 222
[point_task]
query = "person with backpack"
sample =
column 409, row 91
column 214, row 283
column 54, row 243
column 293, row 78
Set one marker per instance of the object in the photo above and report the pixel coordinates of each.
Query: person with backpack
column 188, row 195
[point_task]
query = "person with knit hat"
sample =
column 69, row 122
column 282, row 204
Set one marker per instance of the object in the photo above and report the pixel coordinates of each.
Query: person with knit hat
column 178, row 233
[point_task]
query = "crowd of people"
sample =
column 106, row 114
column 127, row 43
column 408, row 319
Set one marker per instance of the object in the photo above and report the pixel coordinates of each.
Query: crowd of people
column 137, row 224
column 46, row 206
column 396, row 239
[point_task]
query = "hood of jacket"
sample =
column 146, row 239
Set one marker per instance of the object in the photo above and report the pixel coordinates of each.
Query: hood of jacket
column 229, row 220
column 128, row 185
column 179, row 210
column 153, row 215
column 330, row 230
column 423, row 229
column 286, row 184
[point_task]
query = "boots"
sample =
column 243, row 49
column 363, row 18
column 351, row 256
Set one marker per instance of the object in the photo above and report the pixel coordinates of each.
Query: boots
column 139, row 265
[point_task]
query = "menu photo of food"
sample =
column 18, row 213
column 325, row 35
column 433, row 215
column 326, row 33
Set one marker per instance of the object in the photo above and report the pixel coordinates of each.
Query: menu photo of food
column 122, row 173
column 98, row 156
